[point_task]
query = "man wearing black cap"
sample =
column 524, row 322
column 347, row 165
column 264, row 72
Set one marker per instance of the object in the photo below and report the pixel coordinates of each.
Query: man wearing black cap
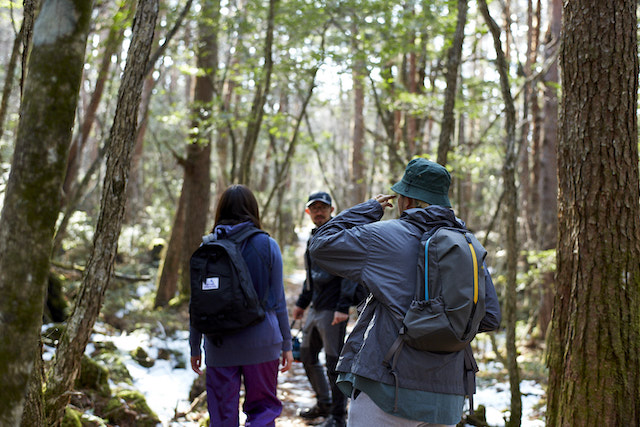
column 330, row 297
column 421, row 388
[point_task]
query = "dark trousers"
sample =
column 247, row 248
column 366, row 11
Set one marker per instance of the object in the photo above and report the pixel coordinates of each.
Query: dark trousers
column 319, row 334
column 261, row 402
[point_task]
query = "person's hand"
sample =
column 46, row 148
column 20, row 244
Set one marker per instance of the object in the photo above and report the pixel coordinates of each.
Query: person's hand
column 338, row 317
column 383, row 199
column 298, row 312
column 287, row 360
column 195, row 364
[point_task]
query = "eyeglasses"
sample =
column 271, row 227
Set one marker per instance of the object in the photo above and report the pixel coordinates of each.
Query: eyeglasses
column 317, row 207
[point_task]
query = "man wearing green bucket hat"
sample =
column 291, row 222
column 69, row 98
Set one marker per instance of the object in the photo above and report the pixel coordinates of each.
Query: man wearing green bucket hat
column 421, row 388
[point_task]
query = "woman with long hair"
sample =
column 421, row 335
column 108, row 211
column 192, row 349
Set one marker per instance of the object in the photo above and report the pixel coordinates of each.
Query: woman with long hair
column 254, row 353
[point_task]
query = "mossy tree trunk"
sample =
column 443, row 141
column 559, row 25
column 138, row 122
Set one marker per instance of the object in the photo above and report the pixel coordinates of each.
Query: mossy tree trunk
column 32, row 197
column 105, row 245
column 594, row 342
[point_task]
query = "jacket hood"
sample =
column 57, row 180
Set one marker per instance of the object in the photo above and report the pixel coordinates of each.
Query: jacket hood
column 223, row 231
column 431, row 216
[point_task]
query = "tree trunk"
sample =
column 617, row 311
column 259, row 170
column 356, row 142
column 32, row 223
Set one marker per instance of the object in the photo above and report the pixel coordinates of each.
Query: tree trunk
column 170, row 269
column 260, row 97
column 33, row 414
column 10, row 78
column 112, row 45
column 31, row 9
column 511, row 217
column 548, row 184
column 594, row 343
column 358, row 166
column 32, row 196
column 452, row 72
column 105, row 245
column 197, row 179
column 135, row 198
column 529, row 146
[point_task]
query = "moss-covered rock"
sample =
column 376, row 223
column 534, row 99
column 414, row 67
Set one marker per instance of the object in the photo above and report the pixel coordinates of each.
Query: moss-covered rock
column 71, row 418
column 118, row 371
column 104, row 347
column 93, row 376
column 89, row 420
column 142, row 357
column 129, row 408
column 176, row 358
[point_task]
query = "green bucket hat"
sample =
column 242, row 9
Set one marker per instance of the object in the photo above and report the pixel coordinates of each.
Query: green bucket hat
column 425, row 180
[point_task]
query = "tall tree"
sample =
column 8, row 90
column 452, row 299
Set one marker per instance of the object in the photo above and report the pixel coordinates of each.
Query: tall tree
column 112, row 45
column 358, row 164
column 196, row 185
column 263, row 85
column 511, row 218
column 451, row 74
column 105, row 245
column 594, row 343
column 548, row 178
column 32, row 197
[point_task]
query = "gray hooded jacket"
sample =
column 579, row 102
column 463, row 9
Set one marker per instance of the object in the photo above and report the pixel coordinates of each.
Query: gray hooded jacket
column 383, row 256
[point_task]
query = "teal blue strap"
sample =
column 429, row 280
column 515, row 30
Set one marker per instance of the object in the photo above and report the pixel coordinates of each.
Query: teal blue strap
column 426, row 269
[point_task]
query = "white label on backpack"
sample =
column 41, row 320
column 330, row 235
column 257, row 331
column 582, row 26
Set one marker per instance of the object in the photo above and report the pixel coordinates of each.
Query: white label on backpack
column 211, row 283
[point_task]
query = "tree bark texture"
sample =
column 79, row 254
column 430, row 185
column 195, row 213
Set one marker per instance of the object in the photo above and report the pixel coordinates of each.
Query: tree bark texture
column 594, row 346
column 105, row 245
column 510, row 218
column 32, row 197
column 197, row 179
column 452, row 72
column 33, row 414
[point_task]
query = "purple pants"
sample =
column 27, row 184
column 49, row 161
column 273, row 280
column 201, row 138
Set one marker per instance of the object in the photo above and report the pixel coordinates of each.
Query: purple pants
column 261, row 402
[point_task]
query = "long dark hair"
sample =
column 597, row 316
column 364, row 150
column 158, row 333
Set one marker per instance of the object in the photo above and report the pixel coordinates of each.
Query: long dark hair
column 237, row 204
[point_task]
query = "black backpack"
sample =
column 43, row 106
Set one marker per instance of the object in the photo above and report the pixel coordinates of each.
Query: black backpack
column 223, row 298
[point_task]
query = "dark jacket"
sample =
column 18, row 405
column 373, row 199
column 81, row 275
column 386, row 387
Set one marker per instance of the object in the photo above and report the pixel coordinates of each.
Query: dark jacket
column 325, row 290
column 383, row 256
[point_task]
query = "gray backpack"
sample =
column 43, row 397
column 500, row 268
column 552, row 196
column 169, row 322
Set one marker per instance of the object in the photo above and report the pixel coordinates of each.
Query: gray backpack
column 449, row 301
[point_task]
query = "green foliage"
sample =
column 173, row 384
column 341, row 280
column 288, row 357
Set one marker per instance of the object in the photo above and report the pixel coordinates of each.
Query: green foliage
column 539, row 262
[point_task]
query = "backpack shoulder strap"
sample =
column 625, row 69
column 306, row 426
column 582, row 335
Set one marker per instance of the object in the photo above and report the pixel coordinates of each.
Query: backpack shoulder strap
column 245, row 235
column 390, row 361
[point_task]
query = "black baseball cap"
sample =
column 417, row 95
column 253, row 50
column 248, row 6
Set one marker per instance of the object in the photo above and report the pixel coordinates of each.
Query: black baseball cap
column 320, row 196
